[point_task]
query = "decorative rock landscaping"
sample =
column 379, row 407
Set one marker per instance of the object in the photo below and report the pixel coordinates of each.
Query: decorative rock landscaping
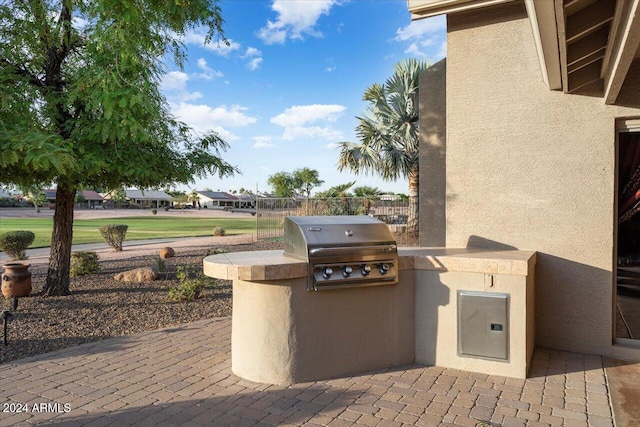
column 167, row 252
column 138, row 275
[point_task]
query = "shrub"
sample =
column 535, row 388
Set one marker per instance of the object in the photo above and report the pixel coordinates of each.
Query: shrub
column 216, row 251
column 84, row 262
column 219, row 231
column 114, row 234
column 159, row 264
column 154, row 211
column 15, row 243
column 191, row 285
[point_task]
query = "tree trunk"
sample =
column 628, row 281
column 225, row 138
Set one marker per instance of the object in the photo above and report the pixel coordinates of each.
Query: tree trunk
column 414, row 203
column 60, row 255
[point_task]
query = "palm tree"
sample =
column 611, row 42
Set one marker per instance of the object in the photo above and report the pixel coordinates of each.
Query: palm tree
column 194, row 198
column 388, row 133
column 368, row 193
column 305, row 180
column 339, row 190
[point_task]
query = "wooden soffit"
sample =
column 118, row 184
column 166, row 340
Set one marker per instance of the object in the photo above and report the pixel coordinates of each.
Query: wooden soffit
column 426, row 8
column 582, row 45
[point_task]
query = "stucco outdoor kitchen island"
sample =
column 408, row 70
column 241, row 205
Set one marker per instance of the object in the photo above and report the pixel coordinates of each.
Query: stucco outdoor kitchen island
column 456, row 308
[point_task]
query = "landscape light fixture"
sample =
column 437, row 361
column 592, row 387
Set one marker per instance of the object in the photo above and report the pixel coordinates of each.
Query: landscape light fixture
column 5, row 318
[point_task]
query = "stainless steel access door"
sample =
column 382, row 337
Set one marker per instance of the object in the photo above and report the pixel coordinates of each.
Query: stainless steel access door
column 483, row 325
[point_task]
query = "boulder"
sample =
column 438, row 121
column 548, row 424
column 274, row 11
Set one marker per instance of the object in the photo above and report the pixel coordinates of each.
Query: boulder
column 144, row 274
column 167, row 252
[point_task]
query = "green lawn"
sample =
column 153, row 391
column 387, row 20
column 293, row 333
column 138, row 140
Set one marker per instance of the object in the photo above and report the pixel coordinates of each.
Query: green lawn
column 87, row 230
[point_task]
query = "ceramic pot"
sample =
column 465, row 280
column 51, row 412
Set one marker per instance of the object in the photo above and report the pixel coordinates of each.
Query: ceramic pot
column 16, row 280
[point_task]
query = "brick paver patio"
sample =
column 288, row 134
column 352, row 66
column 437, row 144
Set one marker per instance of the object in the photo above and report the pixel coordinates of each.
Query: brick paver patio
column 181, row 376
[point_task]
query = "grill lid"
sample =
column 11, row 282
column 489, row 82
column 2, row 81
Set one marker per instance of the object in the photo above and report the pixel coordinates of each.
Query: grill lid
column 342, row 251
column 303, row 234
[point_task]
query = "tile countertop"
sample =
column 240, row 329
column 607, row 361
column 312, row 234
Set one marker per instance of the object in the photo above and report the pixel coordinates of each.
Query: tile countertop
column 273, row 265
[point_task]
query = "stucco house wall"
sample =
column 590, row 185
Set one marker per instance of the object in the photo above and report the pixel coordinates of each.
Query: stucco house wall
column 532, row 169
column 433, row 129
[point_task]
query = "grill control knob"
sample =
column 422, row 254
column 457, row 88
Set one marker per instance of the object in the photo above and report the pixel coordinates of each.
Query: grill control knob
column 347, row 271
column 366, row 269
column 327, row 273
column 384, row 268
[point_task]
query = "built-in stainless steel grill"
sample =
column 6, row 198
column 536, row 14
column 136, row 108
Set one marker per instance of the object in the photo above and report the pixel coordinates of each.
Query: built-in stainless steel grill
column 342, row 251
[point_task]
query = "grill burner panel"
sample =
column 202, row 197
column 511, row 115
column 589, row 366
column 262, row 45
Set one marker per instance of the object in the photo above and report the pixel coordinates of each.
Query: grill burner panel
column 362, row 274
column 342, row 251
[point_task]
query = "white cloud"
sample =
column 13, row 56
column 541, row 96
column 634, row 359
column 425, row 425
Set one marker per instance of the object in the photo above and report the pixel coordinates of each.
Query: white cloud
column 254, row 57
column 223, row 49
column 251, row 52
column 174, row 80
column 301, row 114
column 254, row 64
column 298, row 119
column 263, row 142
column 203, row 118
column 330, row 69
column 295, row 19
column 420, row 28
column 198, row 37
column 332, row 146
column 443, row 50
column 422, row 34
column 174, row 84
column 272, row 34
column 226, row 135
column 208, row 72
column 414, row 50
column 311, row 132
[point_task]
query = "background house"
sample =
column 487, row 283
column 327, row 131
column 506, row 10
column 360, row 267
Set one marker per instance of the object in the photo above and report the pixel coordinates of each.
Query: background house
column 142, row 198
column 216, row 199
column 147, row 198
column 245, row 201
column 90, row 200
column 520, row 129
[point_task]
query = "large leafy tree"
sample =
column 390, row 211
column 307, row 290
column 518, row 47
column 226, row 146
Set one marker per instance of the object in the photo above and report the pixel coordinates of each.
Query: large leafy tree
column 388, row 133
column 282, row 184
column 81, row 104
column 305, row 180
column 285, row 184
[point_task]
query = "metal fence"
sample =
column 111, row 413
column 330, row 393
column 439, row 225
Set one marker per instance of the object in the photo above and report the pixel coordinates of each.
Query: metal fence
column 270, row 212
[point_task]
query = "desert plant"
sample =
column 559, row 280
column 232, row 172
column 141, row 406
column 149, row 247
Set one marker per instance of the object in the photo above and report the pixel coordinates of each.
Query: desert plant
column 191, row 285
column 216, row 251
column 114, row 234
column 159, row 263
column 219, row 231
column 15, row 243
column 84, row 262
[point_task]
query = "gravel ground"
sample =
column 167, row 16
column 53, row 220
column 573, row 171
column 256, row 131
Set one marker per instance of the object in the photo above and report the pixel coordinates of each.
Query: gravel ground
column 100, row 307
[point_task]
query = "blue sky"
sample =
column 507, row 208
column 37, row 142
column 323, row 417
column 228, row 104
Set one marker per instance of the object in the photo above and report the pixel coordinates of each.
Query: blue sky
column 289, row 86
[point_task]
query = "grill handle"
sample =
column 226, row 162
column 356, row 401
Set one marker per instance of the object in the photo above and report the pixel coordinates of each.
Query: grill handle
column 342, row 249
